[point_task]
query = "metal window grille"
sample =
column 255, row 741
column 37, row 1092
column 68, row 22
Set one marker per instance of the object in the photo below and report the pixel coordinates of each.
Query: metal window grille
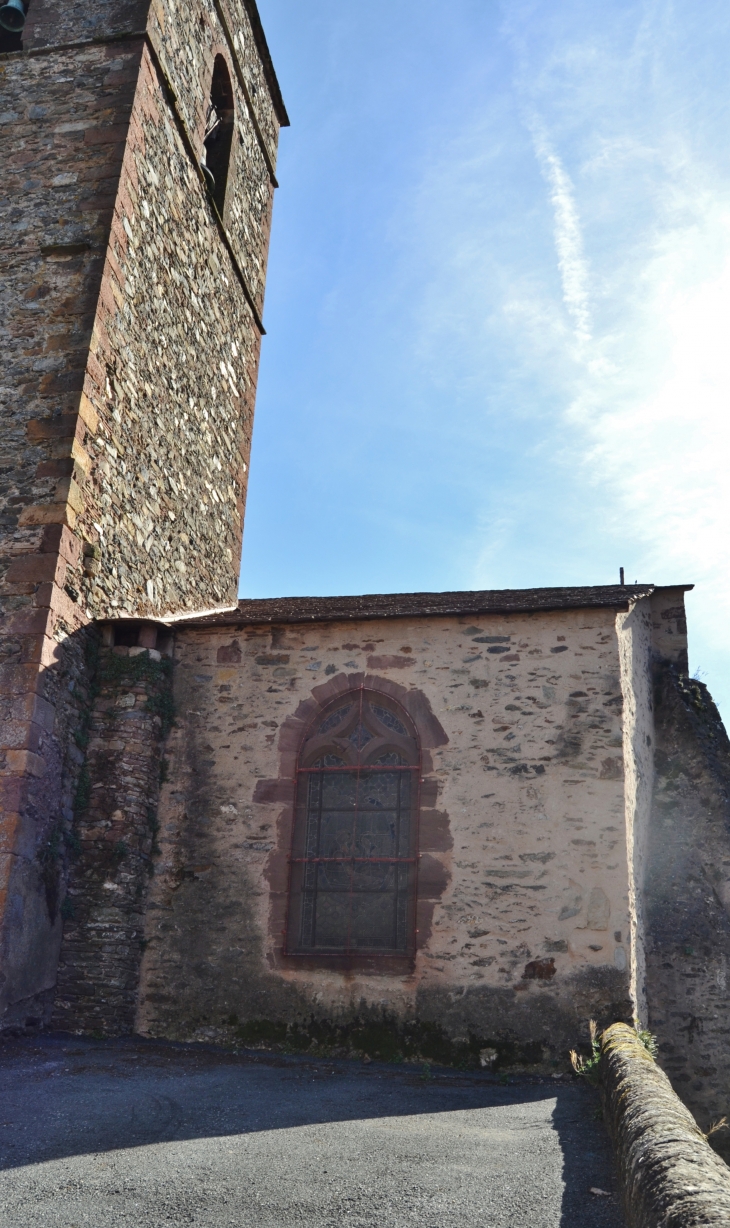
column 353, row 863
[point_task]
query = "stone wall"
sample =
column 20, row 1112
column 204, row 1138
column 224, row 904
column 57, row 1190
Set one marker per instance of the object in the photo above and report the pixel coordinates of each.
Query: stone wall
column 64, row 117
column 41, row 767
column 241, row 19
column 525, row 926
column 574, row 856
column 186, row 42
column 58, row 23
column 688, row 895
column 171, row 378
column 64, row 122
column 115, row 838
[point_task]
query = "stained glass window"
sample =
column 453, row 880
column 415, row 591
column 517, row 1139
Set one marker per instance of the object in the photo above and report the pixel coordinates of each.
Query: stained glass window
column 353, row 851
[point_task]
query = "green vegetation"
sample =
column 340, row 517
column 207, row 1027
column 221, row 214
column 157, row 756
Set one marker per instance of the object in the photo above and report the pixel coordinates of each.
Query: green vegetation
column 648, row 1041
column 163, row 705
column 590, row 1066
column 117, row 672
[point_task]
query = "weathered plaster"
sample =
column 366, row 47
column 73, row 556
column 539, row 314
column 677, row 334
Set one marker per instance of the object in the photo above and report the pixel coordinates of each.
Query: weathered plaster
column 533, row 890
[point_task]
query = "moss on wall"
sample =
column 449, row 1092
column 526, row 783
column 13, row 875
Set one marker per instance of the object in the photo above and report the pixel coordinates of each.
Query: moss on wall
column 389, row 1039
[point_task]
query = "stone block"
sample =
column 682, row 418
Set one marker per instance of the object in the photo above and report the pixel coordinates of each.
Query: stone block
column 30, row 621
column 18, row 679
column 56, row 468
column 68, row 491
column 25, row 762
column 58, row 600
column 88, row 414
column 42, row 650
column 21, row 735
column 62, row 426
column 36, row 567
column 58, row 538
column 48, row 513
column 12, row 798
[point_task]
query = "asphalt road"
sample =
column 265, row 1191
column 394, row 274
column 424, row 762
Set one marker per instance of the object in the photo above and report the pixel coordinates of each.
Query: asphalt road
column 127, row 1133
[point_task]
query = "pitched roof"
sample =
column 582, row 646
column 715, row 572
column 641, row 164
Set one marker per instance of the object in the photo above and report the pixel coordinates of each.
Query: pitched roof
column 422, row 605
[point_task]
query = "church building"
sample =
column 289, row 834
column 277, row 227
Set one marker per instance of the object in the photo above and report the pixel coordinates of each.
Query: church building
column 446, row 827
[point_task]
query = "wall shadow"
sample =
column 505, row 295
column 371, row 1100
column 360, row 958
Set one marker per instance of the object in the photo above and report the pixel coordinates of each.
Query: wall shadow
column 587, row 1162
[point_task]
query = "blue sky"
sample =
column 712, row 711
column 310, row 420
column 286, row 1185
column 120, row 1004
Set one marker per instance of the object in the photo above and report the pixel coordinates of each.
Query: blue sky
column 498, row 352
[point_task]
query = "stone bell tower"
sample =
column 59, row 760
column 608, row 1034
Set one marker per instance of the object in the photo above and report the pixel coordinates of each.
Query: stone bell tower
column 139, row 151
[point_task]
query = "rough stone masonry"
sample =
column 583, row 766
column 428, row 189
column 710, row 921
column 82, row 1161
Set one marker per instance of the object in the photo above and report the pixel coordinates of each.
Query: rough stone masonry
column 434, row 826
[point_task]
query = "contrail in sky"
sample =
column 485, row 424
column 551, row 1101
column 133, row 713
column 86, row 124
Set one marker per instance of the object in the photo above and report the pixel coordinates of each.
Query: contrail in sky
column 568, row 238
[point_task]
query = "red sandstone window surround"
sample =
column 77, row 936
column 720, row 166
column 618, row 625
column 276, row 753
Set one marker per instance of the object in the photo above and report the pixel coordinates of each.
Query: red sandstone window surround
column 352, row 870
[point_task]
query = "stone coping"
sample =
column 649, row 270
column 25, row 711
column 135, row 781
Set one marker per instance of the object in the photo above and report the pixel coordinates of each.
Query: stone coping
column 670, row 1176
column 263, row 49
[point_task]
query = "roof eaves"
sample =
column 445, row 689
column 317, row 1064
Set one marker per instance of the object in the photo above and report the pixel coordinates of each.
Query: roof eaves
column 373, row 606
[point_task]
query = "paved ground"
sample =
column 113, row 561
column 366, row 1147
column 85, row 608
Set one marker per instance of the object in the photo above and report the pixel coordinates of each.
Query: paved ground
column 151, row 1135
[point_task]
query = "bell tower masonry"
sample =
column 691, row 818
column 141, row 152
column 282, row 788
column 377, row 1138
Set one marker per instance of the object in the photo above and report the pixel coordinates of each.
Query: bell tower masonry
column 139, row 149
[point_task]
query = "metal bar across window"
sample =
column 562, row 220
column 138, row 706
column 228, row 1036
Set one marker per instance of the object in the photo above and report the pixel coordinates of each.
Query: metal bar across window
column 398, row 861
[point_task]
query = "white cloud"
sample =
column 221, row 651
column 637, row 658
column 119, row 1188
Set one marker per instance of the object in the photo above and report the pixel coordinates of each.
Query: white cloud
column 568, row 237
column 657, row 434
column 630, row 366
column 570, row 354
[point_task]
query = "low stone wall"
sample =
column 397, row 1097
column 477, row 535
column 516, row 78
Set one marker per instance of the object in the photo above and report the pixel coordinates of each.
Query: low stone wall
column 670, row 1175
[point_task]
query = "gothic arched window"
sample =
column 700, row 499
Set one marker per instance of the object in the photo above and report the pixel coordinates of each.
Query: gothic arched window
column 218, row 132
column 353, row 862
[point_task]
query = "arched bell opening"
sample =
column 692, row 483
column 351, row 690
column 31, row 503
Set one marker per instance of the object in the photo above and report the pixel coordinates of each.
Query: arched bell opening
column 218, row 133
column 12, row 19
